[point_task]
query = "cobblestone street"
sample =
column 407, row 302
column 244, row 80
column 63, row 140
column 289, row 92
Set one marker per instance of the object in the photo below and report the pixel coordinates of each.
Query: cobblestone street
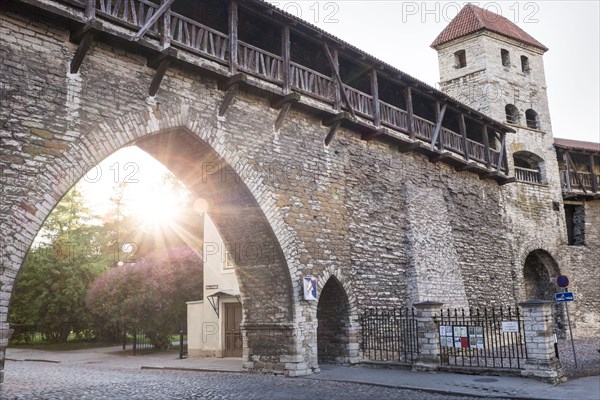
column 42, row 380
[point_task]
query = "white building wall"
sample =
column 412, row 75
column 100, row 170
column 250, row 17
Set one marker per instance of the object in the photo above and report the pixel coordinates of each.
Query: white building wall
column 205, row 328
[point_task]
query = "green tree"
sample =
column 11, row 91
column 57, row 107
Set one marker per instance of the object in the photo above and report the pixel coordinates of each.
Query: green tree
column 65, row 259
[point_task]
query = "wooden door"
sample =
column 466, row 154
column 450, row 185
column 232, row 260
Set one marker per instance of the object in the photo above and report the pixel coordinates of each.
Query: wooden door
column 233, row 334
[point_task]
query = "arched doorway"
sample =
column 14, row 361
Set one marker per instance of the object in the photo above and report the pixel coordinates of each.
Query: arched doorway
column 539, row 272
column 333, row 330
column 251, row 244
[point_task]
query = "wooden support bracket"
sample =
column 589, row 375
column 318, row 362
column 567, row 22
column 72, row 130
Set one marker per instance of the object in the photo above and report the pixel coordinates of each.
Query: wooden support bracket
column 231, row 85
column 287, row 99
column 337, row 118
column 444, row 155
column 405, row 147
column 161, row 63
column 470, row 166
column 332, row 130
column 84, row 36
column 373, row 134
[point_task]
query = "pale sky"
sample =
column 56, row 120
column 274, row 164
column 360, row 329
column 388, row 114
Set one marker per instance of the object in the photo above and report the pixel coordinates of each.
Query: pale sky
column 400, row 32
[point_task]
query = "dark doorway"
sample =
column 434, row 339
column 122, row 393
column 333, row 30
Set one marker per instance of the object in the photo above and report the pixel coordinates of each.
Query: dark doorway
column 540, row 272
column 333, row 316
column 233, row 334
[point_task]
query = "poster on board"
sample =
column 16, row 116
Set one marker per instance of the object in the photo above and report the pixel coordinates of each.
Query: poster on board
column 310, row 288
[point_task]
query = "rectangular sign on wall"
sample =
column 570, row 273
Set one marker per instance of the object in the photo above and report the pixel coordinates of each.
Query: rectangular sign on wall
column 310, row 288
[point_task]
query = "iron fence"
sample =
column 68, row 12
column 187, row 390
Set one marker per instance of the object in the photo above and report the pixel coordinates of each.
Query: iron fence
column 389, row 335
column 488, row 338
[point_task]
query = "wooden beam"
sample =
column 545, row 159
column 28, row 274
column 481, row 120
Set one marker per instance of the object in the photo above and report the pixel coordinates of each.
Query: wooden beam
column 375, row 96
column 502, row 151
column 161, row 63
column 232, row 85
column 281, row 116
column 439, row 114
column 337, row 77
column 567, row 171
column 283, row 105
column 337, row 97
column 82, row 49
column 286, row 57
column 405, row 147
column 593, row 174
column 463, row 133
column 336, row 118
column 486, row 145
column 164, row 29
column 164, row 7
column 233, row 36
column 289, row 98
column 90, row 10
column 332, row 130
column 577, row 177
column 409, row 110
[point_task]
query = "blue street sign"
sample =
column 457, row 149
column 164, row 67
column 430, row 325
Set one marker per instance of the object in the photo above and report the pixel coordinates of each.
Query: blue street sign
column 562, row 281
column 564, row 296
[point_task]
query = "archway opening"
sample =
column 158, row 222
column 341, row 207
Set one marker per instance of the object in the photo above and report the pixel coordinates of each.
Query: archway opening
column 333, row 315
column 539, row 272
column 249, row 244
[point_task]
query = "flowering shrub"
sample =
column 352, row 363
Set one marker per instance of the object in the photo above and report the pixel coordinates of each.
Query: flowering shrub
column 150, row 295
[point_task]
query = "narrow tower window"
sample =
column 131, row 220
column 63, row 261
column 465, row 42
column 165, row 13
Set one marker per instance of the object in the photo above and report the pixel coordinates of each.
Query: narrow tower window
column 512, row 114
column 533, row 120
column 505, row 57
column 460, row 59
column 525, row 64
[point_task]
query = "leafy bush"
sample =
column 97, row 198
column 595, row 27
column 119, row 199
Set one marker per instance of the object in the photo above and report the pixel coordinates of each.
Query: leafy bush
column 150, row 295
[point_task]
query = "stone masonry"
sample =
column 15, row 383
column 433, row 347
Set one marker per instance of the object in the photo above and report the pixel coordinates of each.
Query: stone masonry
column 392, row 227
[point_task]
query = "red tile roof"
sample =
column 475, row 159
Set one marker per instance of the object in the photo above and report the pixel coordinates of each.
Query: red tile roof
column 472, row 19
column 577, row 145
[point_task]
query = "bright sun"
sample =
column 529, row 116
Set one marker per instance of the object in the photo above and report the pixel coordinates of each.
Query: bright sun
column 156, row 208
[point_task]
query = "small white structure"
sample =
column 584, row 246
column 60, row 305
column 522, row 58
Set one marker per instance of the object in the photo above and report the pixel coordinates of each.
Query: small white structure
column 214, row 322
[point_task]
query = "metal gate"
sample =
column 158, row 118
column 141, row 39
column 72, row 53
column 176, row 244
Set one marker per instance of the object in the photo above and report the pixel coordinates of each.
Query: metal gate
column 389, row 335
column 485, row 338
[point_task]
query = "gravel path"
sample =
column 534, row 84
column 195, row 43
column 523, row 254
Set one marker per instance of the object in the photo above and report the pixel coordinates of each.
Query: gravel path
column 588, row 357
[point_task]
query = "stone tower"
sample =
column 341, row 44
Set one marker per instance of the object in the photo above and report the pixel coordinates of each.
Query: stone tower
column 489, row 63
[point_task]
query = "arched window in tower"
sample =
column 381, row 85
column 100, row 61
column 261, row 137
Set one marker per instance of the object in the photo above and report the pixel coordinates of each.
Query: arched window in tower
column 529, row 167
column 512, row 114
column 532, row 118
column 460, row 59
column 525, row 64
column 505, row 57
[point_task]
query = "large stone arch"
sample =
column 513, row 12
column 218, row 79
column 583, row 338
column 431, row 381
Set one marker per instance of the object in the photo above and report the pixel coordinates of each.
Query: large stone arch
column 190, row 141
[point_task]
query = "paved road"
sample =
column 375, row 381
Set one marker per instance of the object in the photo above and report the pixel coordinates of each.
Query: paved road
column 42, row 380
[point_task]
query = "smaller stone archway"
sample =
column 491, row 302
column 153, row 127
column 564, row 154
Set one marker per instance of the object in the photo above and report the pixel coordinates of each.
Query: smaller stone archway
column 334, row 326
column 540, row 270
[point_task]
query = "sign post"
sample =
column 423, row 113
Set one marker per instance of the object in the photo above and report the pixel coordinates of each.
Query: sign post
column 562, row 281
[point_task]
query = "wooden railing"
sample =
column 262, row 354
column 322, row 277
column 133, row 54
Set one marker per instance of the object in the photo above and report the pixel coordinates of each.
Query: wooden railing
column 476, row 150
column 132, row 12
column 260, row 62
column 423, row 128
column 311, row 82
column 452, row 141
column 361, row 102
column 527, row 175
column 191, row 35
column 393, row 116
column 198, row 37
column 586, row 180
